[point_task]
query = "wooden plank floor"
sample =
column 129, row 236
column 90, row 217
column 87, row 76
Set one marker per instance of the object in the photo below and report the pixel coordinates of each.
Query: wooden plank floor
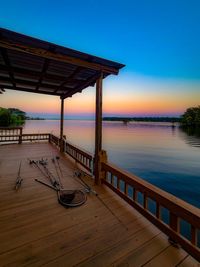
column 36, row 231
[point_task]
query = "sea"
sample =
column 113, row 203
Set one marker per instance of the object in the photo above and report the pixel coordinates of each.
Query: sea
column 160, row 153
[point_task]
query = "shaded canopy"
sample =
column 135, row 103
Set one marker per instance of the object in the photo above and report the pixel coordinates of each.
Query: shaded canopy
column 32, row 65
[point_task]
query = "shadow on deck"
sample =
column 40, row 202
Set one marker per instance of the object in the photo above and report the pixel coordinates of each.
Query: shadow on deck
column 105, row 231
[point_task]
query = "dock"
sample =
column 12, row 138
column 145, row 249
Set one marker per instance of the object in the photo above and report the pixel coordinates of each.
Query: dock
column 105, row 231
column 129, row 223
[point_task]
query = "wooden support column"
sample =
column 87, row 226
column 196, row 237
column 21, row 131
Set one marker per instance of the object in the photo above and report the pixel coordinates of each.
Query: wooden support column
column 61, row 125
column 20, row 135
column 98, row 129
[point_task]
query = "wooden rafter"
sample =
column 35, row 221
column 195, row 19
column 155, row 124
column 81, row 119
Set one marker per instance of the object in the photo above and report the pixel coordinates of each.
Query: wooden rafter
column 44, row 69
column 9, row 68
column 42, row 74
column 34, row 65
column 27, row 83
column 28, row 90
column 44, row 53
column 32, row 73
column 69, row 78
column 90, row 82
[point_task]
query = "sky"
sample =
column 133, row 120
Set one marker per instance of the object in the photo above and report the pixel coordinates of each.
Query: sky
column 158, row 41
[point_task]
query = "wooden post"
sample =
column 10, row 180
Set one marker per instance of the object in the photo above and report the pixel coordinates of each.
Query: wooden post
column 61, row 125
column 98, row 129
column 20, row 135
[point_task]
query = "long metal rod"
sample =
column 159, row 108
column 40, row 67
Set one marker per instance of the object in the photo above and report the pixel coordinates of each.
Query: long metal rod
column 83, row 183
column 46, row 173
column 54, row 160
column 49, row 185
column 19, row 179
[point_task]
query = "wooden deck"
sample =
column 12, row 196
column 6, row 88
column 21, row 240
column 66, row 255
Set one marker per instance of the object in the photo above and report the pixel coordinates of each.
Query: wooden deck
column 36, row 231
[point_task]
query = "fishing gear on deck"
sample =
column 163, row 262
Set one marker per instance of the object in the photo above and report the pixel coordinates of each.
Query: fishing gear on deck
column 78, row 174
column 53, row 180
column 19, row 179
column 58, row 170
column 67, row 198
column 57, row 160
column 42, row 166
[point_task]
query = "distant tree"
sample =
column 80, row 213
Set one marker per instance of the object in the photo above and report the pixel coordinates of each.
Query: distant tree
column 18, row 113
column 5, row 117
column 11, row 116
column 191, row 117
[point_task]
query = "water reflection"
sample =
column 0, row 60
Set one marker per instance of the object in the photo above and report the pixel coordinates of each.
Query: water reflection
column 191, row 135
column 165, row 156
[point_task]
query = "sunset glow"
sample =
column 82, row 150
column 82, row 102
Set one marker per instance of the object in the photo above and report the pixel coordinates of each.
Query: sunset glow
column 161, row 54
column 128, row 95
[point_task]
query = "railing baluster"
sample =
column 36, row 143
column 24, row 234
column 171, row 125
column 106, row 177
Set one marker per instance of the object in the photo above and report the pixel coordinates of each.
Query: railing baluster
column 145, row 201
column 111, row 177
column 126, row 188
column 193, row 235
column 118, row 182
column 134, row 194
column 157, row 210
column 174, row 222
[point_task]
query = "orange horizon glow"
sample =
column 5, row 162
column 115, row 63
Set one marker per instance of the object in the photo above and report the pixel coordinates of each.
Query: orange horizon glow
column 134, row 96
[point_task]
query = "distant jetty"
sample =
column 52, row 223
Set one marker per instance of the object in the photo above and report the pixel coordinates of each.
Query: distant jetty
column 35, row 118
column 146, row 119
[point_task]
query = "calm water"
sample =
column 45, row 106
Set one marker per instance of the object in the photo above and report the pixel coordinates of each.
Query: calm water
column 163, row 155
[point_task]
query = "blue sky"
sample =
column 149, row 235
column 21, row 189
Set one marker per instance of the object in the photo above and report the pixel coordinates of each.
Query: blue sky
column 157, row 40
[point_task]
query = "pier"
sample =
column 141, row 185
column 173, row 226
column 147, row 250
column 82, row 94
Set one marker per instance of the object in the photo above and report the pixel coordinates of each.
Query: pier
column 121, row 226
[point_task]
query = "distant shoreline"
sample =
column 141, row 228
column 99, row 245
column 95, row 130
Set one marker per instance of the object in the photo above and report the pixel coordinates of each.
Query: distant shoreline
column 123, row 119
column 34, row 119
column 143, row 119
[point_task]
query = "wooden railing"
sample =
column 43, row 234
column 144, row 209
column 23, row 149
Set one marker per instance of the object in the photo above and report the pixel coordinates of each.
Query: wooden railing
column 15, row 135
column 82, row 157
column 54, row 140
column 35, row 137
column 11, row 134
column 164, row 210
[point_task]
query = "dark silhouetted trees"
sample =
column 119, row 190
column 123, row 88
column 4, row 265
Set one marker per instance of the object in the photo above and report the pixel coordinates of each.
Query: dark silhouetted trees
column 191, row 117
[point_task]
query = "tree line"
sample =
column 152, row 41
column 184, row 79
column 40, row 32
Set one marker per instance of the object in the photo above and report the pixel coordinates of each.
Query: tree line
column 147, row 119
column 190, row 118
column 11, row 117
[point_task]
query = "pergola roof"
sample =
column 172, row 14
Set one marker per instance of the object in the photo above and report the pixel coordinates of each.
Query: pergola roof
column 36, row 66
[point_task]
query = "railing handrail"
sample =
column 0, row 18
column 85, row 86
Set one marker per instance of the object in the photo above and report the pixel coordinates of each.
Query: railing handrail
column 178, row 209
column 15, row 134
column 11, row 128
column 35, row 134
column 78, row 154
column 182, row 208
column 82, row 151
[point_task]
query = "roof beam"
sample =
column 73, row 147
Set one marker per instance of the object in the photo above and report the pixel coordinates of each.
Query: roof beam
column 42, row 74
column 27, row 83
column 44, row 53
column 44, row 69
column 90, row 82
column 69, row 78
column 9, row 68
column 28, row 90
column 32, row 73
